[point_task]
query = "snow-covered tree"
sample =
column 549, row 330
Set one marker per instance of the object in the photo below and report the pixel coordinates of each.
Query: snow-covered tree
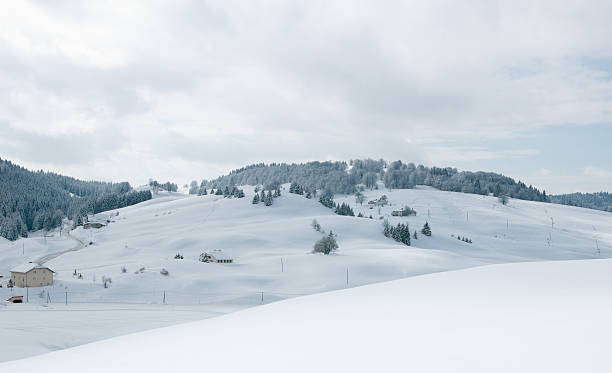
column 326, row 244
column 426, row 229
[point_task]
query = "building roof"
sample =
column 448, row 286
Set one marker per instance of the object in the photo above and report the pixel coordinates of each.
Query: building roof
column 219, row 254
column 27, row 267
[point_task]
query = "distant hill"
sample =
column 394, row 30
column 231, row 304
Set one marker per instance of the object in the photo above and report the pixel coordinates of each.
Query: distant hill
column 598, row 201
column 39, row 200
column 340, row 177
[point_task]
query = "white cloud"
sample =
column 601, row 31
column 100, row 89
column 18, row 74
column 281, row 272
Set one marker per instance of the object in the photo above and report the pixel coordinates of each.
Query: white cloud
column 596, row 172
column 246, row 82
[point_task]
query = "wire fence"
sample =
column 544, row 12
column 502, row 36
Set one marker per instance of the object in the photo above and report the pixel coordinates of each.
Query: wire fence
column 171, row 297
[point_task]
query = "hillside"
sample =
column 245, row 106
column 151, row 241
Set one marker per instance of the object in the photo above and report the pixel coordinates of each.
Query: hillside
column 527, row 317
column 31, row 201
column 340, row 177
column 598, row 201
column 271, row 247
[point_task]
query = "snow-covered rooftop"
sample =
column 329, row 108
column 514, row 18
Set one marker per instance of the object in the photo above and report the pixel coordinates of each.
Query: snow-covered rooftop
column 219, row 254
column 26, row 267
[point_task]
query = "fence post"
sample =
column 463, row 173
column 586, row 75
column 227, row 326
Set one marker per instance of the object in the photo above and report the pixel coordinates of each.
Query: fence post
column 164, row 301
column 66, row 298
column 347, row 278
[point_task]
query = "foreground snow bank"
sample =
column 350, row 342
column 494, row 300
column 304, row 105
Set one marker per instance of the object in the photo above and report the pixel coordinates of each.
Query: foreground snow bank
column 527, row 317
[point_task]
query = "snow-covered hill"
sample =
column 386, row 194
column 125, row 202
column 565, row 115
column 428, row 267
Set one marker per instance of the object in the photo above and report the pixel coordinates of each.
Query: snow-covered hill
column 521, row 317
column 271, row 248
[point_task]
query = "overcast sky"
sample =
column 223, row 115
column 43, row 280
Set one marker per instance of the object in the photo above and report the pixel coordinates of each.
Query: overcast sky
column 183, row 90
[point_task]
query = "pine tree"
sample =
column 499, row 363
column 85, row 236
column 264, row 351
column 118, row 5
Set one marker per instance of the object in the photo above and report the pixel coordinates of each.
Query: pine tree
column 426, row 230
column 327, row 244
column 386, row 228
column 268, row 199
column 256, row 199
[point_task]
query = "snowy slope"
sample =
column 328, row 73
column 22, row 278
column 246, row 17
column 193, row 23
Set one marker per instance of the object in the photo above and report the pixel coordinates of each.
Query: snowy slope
column 521, row 317
column 272, row 247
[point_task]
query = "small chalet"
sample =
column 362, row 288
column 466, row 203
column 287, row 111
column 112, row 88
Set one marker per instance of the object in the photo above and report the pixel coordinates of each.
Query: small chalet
column 31, row 275
column 215, row 256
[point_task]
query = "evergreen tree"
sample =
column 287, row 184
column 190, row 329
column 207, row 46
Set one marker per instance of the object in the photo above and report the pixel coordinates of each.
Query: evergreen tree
column 256, row 199
column 315, row 225
column 327, row 199
column 426, row 230
column 344, row 209
column 327, row 244
column 268, row 199
column 386, row 228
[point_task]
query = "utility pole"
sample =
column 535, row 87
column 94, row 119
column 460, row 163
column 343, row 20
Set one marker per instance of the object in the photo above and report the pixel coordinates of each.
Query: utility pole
column 282, row 266
column 597, row 245
column 347, row 278
column 164, row 301
column 66, row 297
column 261, row 296
column 27, row 293
column 467, row 216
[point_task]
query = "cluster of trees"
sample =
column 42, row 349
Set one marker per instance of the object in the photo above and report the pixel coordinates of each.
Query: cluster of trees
column 40, row 200
column 401, row 176
column 310, row 176
column 167, row 186
column 227, row 192
column 327, row 199
column 326, row 244
column 597, row 201
column 296, row 188
column 464, row 239
column 344, row 209
column 340, row 177
column 400, row 233
column 267, row 198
